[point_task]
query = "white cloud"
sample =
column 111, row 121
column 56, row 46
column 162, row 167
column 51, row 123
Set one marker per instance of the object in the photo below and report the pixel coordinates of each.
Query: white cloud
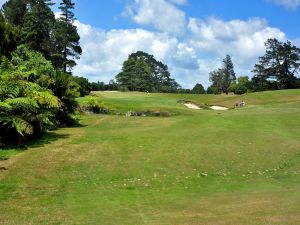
column 289, row 4
column 105, row 51
column 2, row 2
column 243, row 40
column 297, row 42
column 179, row 2
column 190, row 58
column 162, row 15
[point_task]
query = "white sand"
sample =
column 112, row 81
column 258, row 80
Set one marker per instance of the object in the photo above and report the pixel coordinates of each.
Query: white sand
column 192, row 106
column 112, row 91
column 215, row 107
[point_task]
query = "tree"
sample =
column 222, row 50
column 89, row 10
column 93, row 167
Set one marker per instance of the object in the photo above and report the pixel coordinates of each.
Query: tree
column 32, row 64
column 242, row 86
column 198, row 89
column 228, row 73
column 10, row 37
column 84, row 85
column 223, row 77
column 280, row 62
column 15, row 11
column 142, row 72
column 35, row 20
column 67, row 47
column 213, row 90
column 38, row 26
column 216, row 77
column 66, row 89
column 26, row 109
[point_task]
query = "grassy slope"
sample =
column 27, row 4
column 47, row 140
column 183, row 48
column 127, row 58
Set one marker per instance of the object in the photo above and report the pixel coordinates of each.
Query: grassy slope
column 198, row 167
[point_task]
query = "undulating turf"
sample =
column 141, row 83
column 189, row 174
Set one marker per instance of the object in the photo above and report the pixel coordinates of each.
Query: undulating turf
column 240, row 166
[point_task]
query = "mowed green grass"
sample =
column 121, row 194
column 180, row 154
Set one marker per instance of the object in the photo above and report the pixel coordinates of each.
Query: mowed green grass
column 240, row 166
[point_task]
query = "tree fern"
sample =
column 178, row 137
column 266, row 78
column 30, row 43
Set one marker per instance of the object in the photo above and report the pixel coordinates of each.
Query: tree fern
column 23, row 103
column 18, row 123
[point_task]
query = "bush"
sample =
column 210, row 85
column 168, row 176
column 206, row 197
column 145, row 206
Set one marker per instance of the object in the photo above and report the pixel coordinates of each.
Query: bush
column 94, row 105
column 240, row 90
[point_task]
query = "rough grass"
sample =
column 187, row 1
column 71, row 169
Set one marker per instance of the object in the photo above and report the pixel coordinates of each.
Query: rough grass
column 199, row 167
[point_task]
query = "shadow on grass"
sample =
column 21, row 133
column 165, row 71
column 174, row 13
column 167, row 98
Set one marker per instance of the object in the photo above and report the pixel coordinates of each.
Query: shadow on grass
column 47, row 138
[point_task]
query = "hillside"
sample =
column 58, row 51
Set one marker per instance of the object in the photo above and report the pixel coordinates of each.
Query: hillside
column 240, row 166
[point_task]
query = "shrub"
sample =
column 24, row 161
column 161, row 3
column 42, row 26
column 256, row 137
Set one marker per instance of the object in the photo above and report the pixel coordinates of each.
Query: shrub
column 94, row 105
column 240, row 90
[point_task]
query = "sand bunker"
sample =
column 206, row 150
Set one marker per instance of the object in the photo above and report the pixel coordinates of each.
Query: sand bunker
column 215, row 107
column 192, row 106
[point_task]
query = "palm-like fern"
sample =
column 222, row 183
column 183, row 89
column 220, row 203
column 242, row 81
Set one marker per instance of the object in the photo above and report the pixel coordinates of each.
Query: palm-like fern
column 25, row 107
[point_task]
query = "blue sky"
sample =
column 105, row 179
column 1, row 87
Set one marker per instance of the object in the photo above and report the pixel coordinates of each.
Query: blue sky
column 190, row 36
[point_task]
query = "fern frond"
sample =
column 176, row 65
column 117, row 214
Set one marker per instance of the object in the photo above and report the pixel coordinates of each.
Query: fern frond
column 23, row 103
column 5, row 107
column 21, row 126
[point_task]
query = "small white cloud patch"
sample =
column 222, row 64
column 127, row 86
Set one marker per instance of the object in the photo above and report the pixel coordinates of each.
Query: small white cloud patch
column 162, row 15
column 289, row 4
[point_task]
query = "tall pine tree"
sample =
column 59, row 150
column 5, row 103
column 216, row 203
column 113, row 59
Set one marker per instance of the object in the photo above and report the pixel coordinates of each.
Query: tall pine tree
column 67, row 38
column 38, row 26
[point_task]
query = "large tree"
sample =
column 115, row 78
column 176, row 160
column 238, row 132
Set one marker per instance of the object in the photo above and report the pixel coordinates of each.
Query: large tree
column 66, row 38
column 281, row 62
column 198, row 89
column 15, row 11
column 142, row 72
column 35, row 20
column 9, row 37
column 223, row 77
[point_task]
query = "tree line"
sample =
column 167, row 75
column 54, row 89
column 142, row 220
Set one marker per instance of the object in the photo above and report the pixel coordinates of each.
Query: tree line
column 276, row 69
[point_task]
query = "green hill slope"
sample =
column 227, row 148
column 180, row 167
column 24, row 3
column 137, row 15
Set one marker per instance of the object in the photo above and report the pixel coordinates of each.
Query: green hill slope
column 240, row 166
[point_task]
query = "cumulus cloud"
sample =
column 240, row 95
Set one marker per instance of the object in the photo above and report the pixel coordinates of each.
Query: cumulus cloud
column 105, row 51
column 289, row 4
column 190, row 59
column 162, row 15
column 2, row 2
column 243, row 40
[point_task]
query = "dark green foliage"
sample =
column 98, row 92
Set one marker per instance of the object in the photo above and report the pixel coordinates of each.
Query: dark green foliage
column 84, row 85
column 66, row 89
column 35, row 20
column 280, row 62
column 38, row 26
column 15, row 11
column 26, row 108
column 213, row 90
column 223, row 77
column 32, row 64
column 260, row 83
column 242, row 86
column 99, row 86
column 198, row 89
column 9, row 37
column 184, row 91
column 67, row 46
column 241, row 89
column 142, row 72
